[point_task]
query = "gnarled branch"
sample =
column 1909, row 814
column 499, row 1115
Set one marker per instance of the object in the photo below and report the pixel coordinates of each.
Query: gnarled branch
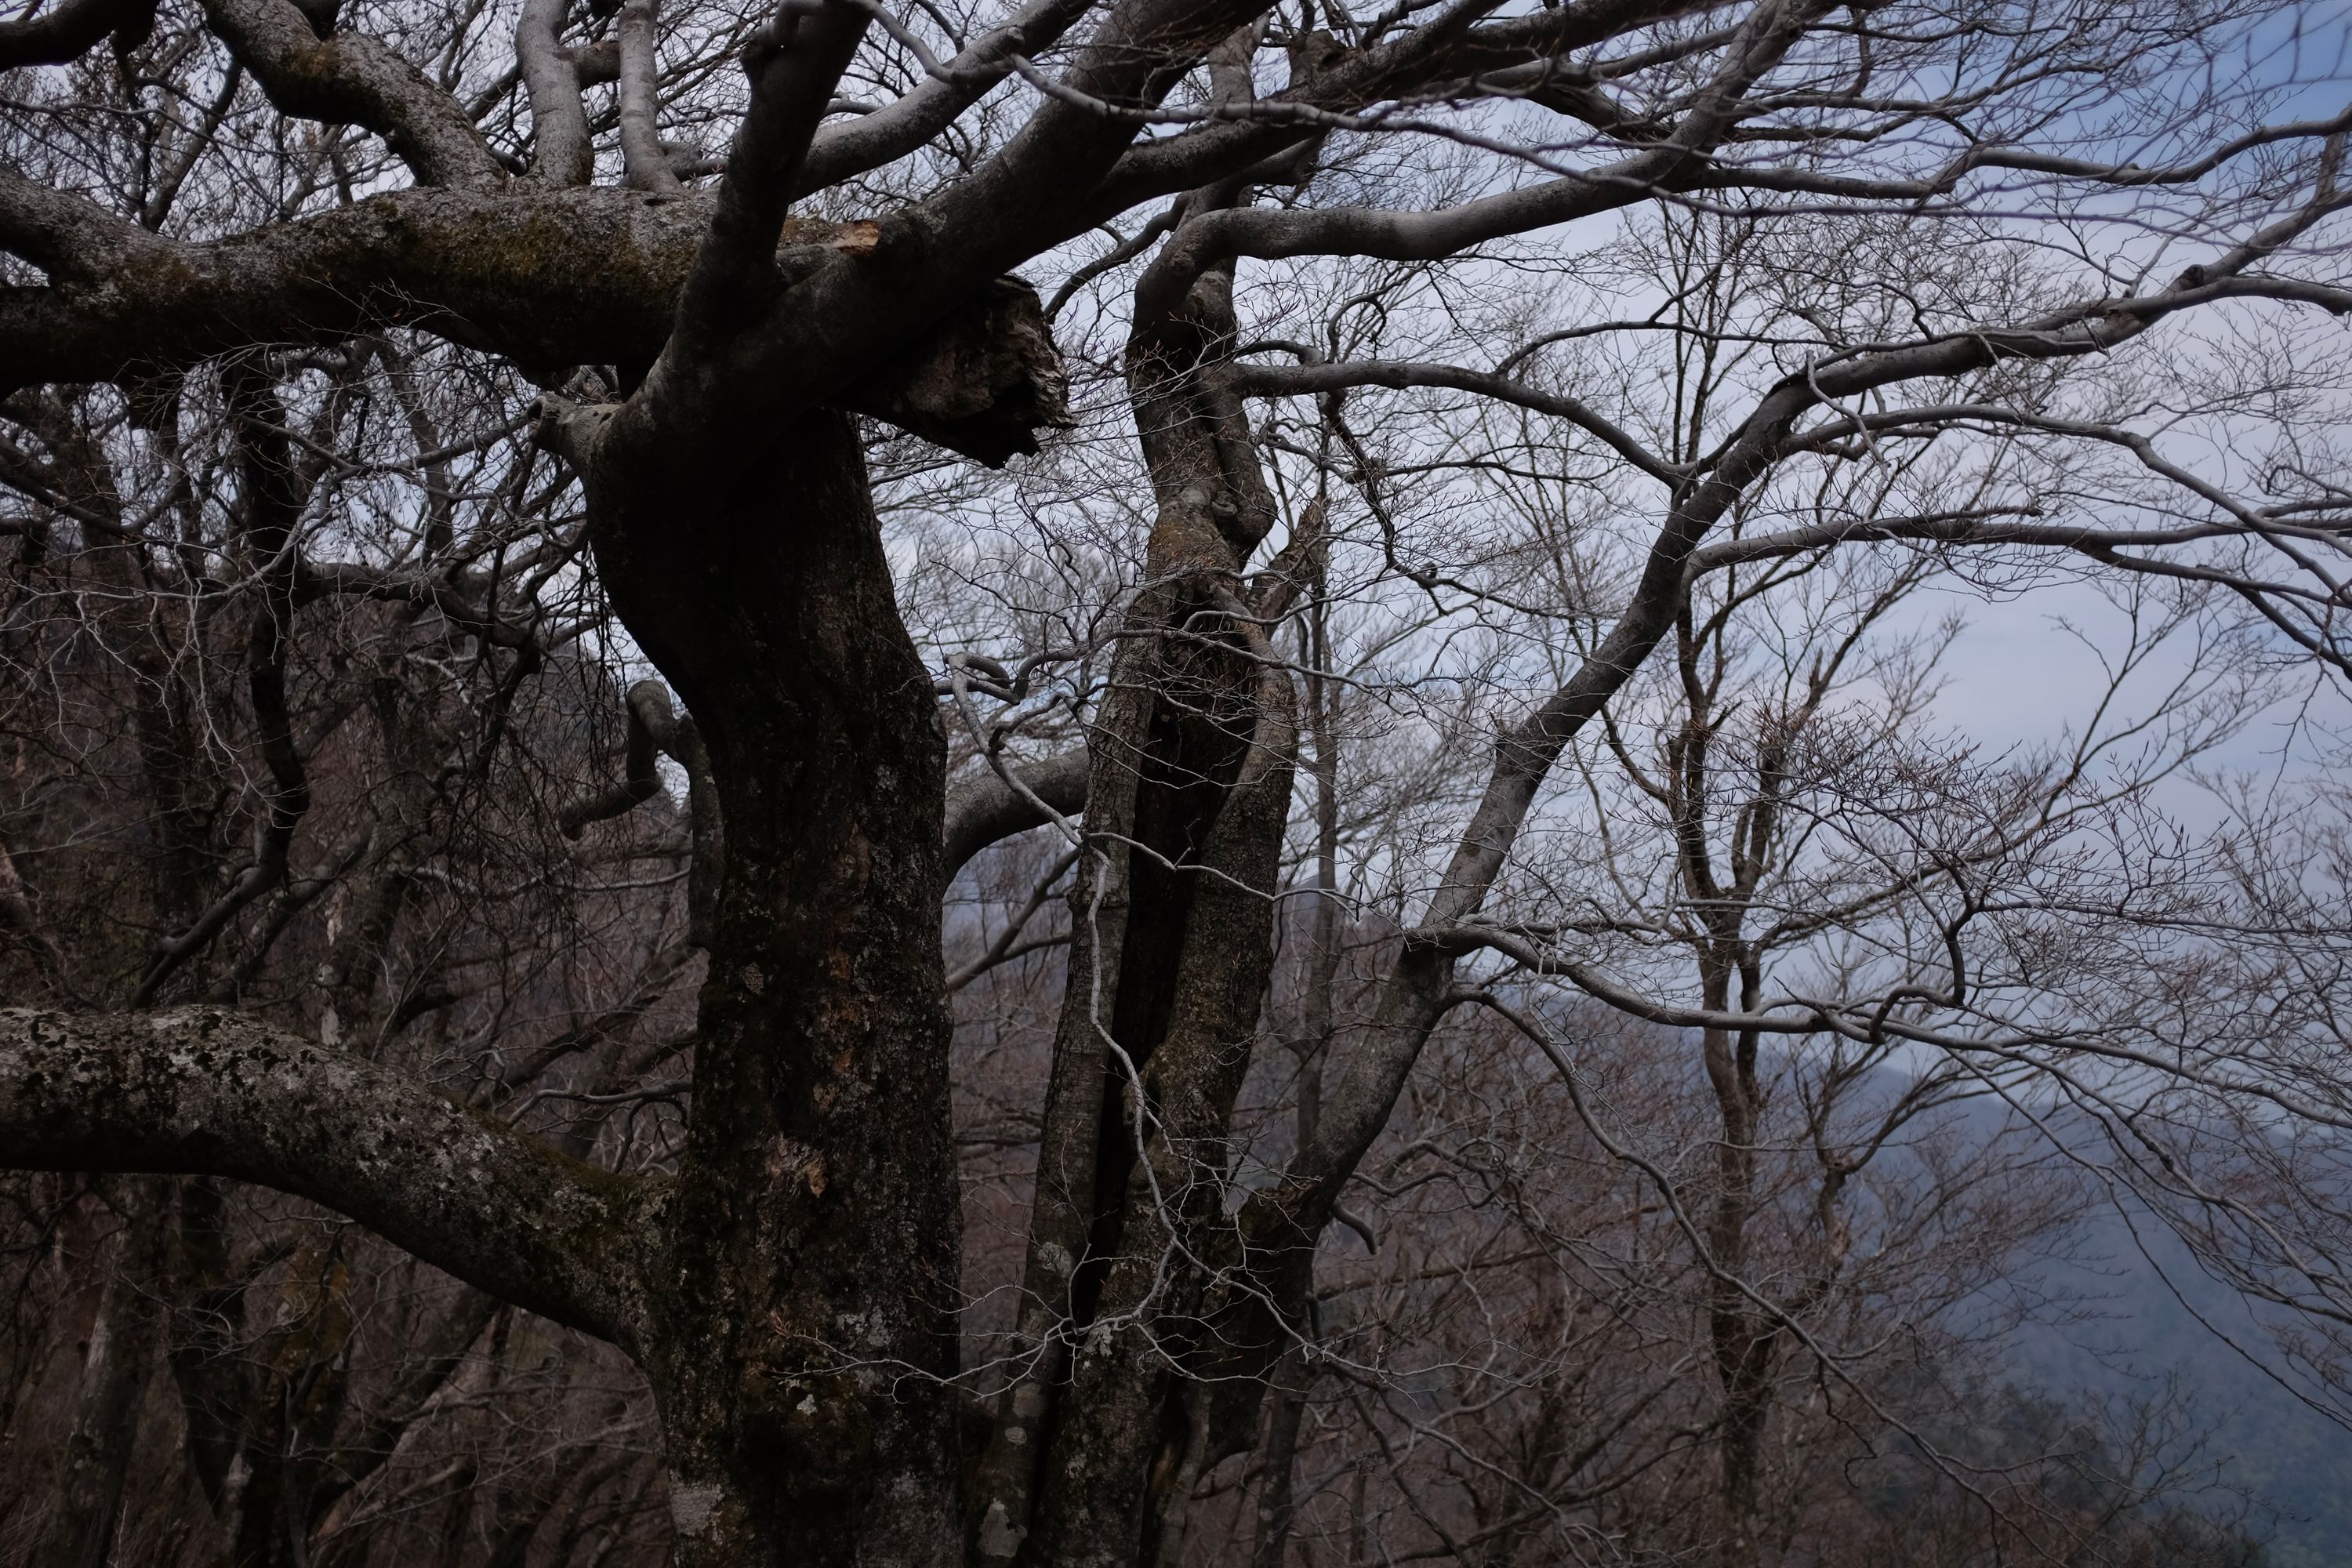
column 65, row 32
column 651, row 731
column 545, row 277
column 353, row 79
column 984, row 809
column 204, row 1091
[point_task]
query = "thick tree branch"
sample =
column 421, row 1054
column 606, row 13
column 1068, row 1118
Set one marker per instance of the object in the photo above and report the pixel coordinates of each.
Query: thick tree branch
column 889, row 133
column 547, row 277
column 642, row 157
column 66, row 32
column 984, row 809
column 929, row 258
column 207, row 1093
column 652, row 730
column 353, row 79
column 67, row 237
column 562, row 152
column 793, row 62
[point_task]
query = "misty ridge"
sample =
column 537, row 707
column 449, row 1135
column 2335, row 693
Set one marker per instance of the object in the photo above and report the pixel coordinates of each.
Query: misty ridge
column 1156, row 783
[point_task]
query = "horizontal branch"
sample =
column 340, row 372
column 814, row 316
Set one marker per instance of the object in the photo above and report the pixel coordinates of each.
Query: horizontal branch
column 2018, row 160
column 72, row 240
column 985, row 809
column 1275, row 234
column 1459, row 940
column 1984, row 525
column 66, row 32
column 315, row 579
column 544, row 276
column 204, row 1091
column 1298, row 380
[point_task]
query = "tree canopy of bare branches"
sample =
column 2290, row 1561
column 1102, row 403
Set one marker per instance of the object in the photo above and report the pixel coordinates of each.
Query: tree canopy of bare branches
column 1148, row 781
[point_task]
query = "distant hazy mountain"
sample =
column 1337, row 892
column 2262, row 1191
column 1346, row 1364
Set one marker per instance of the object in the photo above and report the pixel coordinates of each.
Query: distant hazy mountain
column 2296, row 1460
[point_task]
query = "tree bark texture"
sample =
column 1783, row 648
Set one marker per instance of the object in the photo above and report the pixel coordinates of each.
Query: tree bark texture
column 805, row 1285
column 1100, row 1437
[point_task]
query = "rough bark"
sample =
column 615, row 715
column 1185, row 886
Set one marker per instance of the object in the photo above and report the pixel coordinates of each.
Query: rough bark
column 353, row 79
column 809, row 1272
column 206, row 1091
column 791, row 1293
column 63, row 32
column 546, row 277
column 1098, row 1442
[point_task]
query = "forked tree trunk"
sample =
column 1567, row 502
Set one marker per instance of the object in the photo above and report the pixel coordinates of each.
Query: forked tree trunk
column 1102, row 1437
column 800, row 1314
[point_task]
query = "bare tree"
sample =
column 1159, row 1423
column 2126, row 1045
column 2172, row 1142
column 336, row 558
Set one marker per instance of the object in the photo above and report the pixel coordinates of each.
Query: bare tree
column 248, row 250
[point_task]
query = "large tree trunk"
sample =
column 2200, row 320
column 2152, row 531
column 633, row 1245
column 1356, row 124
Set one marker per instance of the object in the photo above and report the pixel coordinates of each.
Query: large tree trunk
column 803, row 1317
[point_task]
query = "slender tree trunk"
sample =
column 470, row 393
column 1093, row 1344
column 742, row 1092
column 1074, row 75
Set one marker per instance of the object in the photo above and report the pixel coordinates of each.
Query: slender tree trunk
column 259, row 1410
column 1743, row 1339
column 1278, row 1448
column 1293, row 1376
column 87, row 1503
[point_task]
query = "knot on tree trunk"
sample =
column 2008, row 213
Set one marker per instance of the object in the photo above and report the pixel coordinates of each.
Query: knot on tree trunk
column 983, row 384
